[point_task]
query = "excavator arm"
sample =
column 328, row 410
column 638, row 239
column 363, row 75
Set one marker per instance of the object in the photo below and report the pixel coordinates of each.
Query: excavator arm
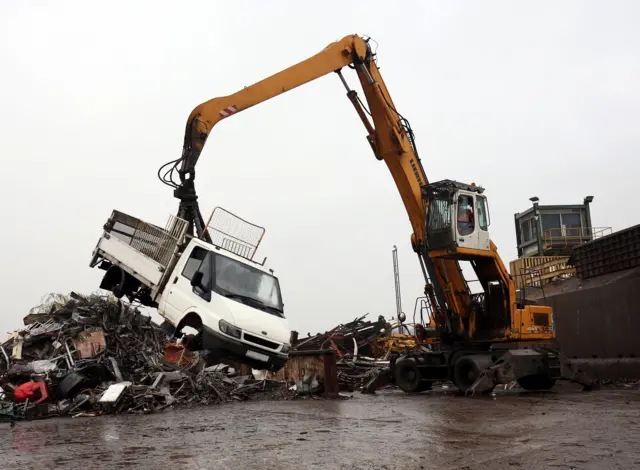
column 206, row 115
column 389, row 135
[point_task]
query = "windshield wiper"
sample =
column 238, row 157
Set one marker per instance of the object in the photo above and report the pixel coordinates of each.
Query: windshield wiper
column 255, row 301
column 240, row 296
column 277, row 311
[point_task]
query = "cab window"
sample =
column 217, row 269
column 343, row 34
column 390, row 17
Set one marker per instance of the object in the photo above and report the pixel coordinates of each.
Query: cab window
column 483, row 214
column 466, row 215
column 194, row 261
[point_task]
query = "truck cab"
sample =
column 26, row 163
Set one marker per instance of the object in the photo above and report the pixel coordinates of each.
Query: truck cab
column 236, row 305
column 233, row 302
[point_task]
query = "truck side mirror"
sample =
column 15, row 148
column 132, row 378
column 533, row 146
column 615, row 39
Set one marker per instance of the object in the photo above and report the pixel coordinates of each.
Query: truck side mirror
column 196, row 279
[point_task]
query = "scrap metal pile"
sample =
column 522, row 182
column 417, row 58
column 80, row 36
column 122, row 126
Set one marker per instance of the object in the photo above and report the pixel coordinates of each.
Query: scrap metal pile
column 93, row 355
column 363, row 349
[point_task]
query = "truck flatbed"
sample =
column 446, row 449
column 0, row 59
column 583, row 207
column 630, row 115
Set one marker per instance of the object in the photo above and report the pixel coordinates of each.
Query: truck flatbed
column 145, row 251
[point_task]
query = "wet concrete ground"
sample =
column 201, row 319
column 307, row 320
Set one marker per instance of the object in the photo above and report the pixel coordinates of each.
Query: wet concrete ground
column 566, row 429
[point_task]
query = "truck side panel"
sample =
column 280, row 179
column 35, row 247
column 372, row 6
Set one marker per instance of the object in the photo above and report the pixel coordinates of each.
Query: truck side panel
column 143, row 250
column 140, row 266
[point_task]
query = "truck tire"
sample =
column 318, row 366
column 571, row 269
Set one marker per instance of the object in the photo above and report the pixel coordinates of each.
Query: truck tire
column 117, row 292
column 466, row 371
column 537, row 382
column 407, row 376
column 114, row 280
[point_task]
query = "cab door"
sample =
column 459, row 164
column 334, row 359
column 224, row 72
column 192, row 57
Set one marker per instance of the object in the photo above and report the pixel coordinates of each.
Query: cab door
column 482, row 224
column 179, row 295
column 466, row 223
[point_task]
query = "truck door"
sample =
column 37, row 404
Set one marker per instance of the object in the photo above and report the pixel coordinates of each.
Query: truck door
column 180, row 296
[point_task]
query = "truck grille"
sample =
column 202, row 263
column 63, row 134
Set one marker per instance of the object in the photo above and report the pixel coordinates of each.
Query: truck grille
column 260, row 341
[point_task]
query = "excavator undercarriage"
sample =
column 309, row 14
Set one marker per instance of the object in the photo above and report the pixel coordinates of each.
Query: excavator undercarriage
column 477, row 370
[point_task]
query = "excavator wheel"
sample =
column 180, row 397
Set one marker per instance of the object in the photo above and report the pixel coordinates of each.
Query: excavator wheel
column 467, row 369
column 407, row 376
column 537, row 382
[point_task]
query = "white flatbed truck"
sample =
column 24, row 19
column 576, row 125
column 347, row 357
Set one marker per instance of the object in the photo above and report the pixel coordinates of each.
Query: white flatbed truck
column 233, row 302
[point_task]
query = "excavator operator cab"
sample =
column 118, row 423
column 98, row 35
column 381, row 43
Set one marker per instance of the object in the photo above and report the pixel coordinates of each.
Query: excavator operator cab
column 457, row 216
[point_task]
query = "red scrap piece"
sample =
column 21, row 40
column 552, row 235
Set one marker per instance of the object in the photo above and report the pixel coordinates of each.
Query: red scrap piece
column 29, row 390
column 335, row 346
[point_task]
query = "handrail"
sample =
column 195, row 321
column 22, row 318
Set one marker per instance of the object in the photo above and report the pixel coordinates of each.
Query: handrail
column 555, row 236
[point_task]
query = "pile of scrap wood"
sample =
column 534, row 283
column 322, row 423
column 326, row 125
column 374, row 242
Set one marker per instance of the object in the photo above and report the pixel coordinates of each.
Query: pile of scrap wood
column 81, row 355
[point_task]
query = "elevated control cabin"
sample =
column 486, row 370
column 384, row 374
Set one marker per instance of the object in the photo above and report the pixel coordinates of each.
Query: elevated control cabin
column 457, row 217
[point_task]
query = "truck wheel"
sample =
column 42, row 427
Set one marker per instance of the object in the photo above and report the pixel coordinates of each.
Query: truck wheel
column 117, row 292
column 407, row 376
column 537, row 382
column 114, row 280
column 193, row 342
column 466, row 371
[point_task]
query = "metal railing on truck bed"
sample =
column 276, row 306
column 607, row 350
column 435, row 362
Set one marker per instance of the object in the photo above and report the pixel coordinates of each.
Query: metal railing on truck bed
column 150, row 240
column 234, row 234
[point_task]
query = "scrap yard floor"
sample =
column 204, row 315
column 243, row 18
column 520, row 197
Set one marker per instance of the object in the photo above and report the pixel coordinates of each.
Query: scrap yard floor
column 563, row 429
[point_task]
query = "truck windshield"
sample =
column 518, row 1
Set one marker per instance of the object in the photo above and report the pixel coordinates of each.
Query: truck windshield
column 248, row 285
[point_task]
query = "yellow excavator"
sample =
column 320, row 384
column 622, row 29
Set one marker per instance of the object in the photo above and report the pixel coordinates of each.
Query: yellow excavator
column 480, row 339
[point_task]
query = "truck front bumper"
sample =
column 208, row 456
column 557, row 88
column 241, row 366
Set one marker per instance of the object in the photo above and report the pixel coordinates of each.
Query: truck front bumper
column 224, row 346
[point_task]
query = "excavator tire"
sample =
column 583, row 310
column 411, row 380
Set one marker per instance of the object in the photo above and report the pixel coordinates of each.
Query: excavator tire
column 408, row 377
column 537, row 382
column 467, row 369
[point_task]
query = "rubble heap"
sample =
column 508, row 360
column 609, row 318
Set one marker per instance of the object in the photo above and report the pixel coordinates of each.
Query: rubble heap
column 363, row 349
column 94, row 354
column 348, row 339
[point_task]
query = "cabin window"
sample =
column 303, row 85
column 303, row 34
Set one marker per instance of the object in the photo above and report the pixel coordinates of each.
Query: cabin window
column 483, row 213
column 193, row 263
column 466, row 215
column 439, row 212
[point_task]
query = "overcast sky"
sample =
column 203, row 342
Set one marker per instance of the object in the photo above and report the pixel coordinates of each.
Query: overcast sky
column 524, row 98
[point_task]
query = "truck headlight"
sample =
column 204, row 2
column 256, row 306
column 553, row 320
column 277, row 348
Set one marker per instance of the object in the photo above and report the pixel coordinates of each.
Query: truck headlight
column 285, row 348
column 228, row 329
